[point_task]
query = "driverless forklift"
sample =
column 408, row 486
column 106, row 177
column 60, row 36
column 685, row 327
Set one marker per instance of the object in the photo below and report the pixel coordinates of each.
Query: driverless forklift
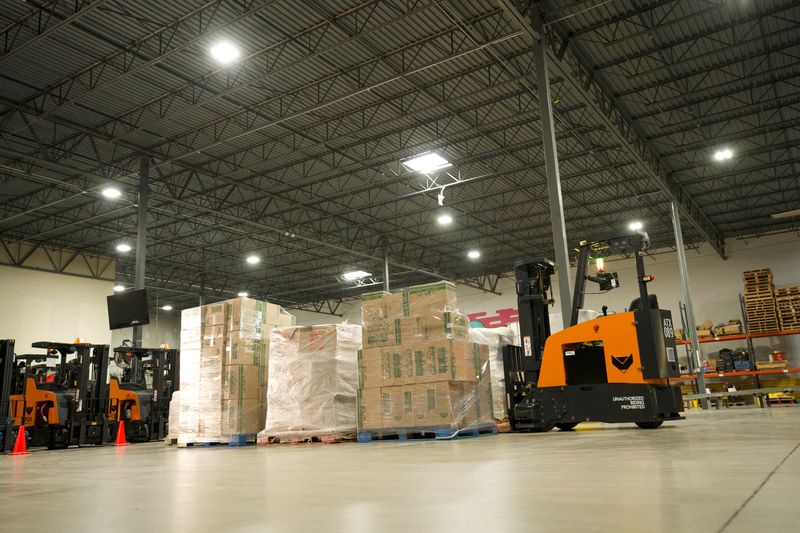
column 59, row 404
column 143, row 407
column 615, row 368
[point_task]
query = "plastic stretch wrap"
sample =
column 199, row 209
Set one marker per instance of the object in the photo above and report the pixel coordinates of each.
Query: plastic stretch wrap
column 313, row 380
column 173, row 424
column 495, row 339
column 418, row 367
column 224, row 363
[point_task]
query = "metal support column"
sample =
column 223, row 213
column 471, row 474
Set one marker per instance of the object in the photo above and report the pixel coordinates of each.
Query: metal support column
column 691, row 332
column 201, row 299
column 385, row 264
column 141, row 234
column 551, row 168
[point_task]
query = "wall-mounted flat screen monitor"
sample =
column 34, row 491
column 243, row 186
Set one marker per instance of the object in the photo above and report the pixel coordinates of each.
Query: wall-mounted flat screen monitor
column 128, row 309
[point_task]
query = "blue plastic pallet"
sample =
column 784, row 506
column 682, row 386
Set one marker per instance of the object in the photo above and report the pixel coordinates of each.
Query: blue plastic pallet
column 424, row 433
column 244, row 439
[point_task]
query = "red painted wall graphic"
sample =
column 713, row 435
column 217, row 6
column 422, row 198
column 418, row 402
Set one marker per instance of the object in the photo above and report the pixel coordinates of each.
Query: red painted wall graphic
column 503, row 317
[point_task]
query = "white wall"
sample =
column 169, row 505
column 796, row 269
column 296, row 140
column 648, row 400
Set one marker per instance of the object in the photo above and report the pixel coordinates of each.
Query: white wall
column 44, row 306
column 164, row 327
column 715, row 284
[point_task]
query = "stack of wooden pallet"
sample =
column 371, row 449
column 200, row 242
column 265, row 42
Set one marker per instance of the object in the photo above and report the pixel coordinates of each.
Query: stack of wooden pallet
column 787, row 301
column 759, row 301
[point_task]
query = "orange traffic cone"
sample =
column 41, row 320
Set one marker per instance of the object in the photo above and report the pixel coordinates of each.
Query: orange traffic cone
column 121, row 440
column 20, row 446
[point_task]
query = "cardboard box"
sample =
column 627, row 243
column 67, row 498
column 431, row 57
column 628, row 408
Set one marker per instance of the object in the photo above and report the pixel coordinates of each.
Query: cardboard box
column 434, row 404
column 679, row 334
column 705, row 325
column 381, row 305
column 701, row 333
column 252, row 315
column 243, row 347
column 386, row 365
column 381, row 333
column 216, row 314
column 373, row 306
column 422, row 362
column 429, row 299
column 242, row 381
column 730, row 329
column 440, row 326
column 242, row 416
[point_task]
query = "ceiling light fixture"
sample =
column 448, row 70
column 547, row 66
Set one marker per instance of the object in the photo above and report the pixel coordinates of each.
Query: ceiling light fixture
column 167, row 308
column 224, row 52
column 473, row 254
column 242, row 294
column 786, row 214
column 119, row 288
column 427, row 163
column 112, row 192
column 635, row 225
column 253, row 259
column 723, row 155
column 354, row 275
column 444, row 220
column 124, row 247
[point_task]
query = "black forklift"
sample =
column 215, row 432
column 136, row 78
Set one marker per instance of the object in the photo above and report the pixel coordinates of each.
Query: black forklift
column 614, row 368
column 7, row 375
column 141, row 395
column 60, row 408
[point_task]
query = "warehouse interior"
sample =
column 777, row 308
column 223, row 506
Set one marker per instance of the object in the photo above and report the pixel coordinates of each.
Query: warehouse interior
column 389, row 264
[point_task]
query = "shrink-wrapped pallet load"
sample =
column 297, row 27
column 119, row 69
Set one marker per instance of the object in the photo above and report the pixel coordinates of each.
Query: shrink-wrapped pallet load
column 495, row 339
column 419, row 372
column 224, row 370
column 312, row 387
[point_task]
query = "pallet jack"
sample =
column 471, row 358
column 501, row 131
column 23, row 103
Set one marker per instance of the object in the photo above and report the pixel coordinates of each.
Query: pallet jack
column 144, row 409
column 615, row 368
column 62, row 409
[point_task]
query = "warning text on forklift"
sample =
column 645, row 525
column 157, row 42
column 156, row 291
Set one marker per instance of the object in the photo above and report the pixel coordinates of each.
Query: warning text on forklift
column 630, row 402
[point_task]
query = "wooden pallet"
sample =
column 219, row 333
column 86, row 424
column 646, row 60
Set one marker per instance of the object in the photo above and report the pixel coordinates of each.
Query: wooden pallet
column 788, row 292
column 307, row 437
column 780, row 400
column 245, row 439
column 424, row 433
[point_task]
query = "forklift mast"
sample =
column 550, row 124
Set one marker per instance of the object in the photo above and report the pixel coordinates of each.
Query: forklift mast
column 635, row 242
column 6, row 377
column 533, row 298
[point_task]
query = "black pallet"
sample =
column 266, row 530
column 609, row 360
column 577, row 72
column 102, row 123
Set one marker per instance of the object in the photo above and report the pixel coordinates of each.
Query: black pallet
column 244, row 439
column 424, row 433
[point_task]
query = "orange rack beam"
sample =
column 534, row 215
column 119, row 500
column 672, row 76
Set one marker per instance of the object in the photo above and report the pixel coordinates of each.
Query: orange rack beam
column 742, row 336
column 689, row 377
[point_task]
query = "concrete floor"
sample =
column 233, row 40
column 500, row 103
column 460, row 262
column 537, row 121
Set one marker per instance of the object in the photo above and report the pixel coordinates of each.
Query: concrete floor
column 736, row 470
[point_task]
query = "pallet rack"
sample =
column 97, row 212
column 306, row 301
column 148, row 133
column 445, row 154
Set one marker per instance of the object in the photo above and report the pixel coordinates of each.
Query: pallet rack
column 747, row 336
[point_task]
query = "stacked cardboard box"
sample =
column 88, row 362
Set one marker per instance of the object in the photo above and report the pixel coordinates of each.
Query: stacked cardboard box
column 313, row 380
column 224, row 357
column 417, row 366
column 759, row 301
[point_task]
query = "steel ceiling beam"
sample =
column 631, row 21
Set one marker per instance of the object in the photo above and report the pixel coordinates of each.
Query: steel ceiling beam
column 572, row 67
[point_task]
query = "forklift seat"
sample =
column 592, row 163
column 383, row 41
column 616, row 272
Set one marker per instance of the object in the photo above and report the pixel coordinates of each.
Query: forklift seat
column 636, row 305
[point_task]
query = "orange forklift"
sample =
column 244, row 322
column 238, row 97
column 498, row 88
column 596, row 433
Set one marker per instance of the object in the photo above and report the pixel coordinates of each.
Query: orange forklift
column 143, row 407
column 61, row 404
column 615, row 368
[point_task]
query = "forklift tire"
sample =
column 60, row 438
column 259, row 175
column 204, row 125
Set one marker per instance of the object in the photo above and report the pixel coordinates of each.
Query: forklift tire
column 566, row 426
column 542, row 429
column 650, row 425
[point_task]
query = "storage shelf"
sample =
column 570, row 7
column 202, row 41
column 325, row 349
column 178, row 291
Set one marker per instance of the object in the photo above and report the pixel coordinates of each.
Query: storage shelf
column 741, row 336
column 690, row 377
